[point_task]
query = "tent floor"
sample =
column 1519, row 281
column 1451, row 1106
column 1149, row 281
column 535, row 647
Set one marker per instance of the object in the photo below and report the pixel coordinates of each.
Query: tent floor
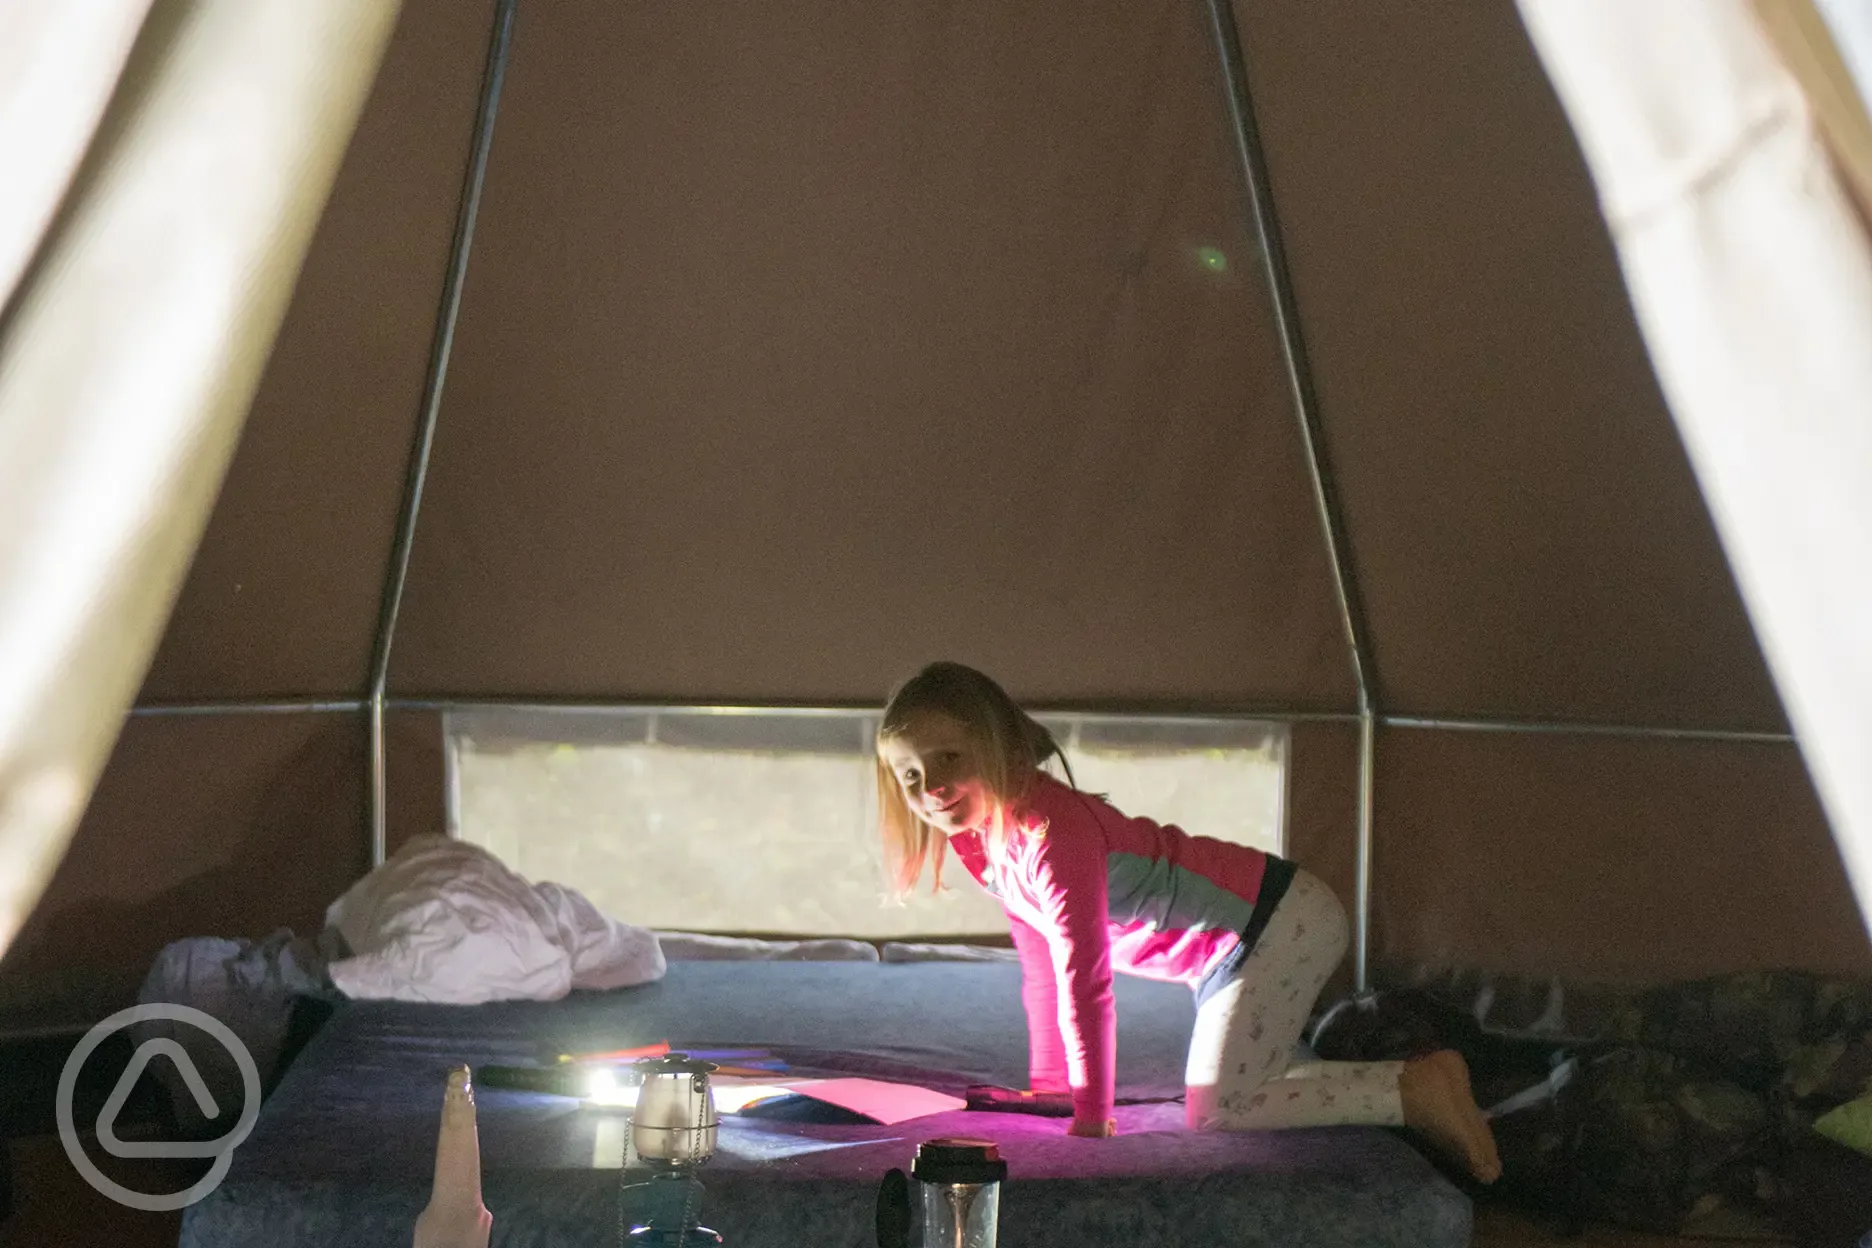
column 1499, row 1228
column 53, row 1207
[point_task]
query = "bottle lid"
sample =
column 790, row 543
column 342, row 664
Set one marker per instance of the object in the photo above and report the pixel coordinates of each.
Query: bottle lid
column 672, row 1064
column 957, row 1160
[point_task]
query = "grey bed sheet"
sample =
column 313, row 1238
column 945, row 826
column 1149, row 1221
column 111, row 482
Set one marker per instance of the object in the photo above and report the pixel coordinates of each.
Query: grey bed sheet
column 343, row 1150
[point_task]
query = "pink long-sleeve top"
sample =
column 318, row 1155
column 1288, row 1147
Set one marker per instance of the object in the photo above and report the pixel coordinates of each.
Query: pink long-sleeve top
column 1089, row 891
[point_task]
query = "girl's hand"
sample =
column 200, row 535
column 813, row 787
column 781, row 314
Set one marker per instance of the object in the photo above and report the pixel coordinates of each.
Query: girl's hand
column 1094, row 1130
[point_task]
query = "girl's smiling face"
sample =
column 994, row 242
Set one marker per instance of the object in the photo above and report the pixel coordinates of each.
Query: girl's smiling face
column 933, row 758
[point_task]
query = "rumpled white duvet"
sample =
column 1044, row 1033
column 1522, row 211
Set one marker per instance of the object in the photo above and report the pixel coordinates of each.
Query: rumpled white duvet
column 447, row 921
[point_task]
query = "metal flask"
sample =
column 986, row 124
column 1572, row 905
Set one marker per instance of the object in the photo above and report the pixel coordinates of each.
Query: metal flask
column 675, row 1121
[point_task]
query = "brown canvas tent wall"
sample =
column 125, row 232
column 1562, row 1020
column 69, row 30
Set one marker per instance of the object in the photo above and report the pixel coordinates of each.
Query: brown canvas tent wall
column 802, row 344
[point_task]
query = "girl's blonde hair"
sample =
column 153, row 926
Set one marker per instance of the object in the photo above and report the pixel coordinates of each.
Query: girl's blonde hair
column 1008, row 748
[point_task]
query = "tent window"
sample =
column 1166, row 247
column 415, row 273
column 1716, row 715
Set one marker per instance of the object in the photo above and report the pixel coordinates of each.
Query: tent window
column 715, row 819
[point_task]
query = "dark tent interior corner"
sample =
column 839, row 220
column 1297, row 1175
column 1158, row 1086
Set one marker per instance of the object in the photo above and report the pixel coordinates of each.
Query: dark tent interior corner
column 1252, row 390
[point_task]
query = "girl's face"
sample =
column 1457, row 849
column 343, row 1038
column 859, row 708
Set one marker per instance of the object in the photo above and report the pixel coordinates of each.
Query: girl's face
column 933, row 759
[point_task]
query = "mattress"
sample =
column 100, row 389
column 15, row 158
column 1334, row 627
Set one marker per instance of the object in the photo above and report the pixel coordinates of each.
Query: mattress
column 343, row 1150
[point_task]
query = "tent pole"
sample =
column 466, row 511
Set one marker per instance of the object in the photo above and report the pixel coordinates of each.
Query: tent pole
column 500, row 43
column 250, row 706
column 1509, row 727
column 1641, row 731
column 1313, row 439
column 551, row 706
column 1362, row 879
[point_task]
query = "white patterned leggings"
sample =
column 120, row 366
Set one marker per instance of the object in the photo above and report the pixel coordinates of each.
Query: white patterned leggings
column 1240, row 1075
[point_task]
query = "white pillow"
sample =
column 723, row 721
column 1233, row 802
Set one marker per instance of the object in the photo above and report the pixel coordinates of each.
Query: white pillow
column 446, row 921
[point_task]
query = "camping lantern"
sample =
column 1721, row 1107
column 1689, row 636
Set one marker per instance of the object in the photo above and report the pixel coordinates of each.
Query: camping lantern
column 673, row 1132
column 675, row 1120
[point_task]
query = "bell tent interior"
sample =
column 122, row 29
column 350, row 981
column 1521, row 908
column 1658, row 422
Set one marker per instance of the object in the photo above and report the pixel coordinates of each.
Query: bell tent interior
column 688, row 356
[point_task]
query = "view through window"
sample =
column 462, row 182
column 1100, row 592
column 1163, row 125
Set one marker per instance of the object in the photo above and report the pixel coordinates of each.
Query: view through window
column 724, row 820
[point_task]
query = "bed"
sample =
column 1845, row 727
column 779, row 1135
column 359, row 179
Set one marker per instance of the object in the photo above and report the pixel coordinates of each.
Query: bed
column 343, row 1149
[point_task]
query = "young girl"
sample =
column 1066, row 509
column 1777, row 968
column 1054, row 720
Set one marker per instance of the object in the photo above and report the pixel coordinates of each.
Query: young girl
column 1089, row 891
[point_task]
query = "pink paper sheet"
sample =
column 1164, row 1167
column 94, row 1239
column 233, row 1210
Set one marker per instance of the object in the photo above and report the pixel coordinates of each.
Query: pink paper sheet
column 885, row 1103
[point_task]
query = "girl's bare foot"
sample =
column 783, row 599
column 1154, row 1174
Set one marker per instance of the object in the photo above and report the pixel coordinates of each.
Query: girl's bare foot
column 1438, row 1102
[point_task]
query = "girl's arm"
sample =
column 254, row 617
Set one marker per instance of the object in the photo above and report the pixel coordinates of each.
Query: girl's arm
column 1046, row 1053
column 1071, row 888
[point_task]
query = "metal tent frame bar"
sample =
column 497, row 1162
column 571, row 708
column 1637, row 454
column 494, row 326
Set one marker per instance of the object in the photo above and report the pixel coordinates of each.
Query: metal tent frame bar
column 532, row 706
column 252, row 706
column 500, row 44
column 1247, row 134
column 1645, row 731
column 1506, row 727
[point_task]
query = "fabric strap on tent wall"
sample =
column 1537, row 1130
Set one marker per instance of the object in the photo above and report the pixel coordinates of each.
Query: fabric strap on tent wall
column 1751, row 275
column 132, row 349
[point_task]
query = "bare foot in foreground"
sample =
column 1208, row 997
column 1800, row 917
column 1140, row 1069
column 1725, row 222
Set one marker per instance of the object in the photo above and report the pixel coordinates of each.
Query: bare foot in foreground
column 1438, row 1102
